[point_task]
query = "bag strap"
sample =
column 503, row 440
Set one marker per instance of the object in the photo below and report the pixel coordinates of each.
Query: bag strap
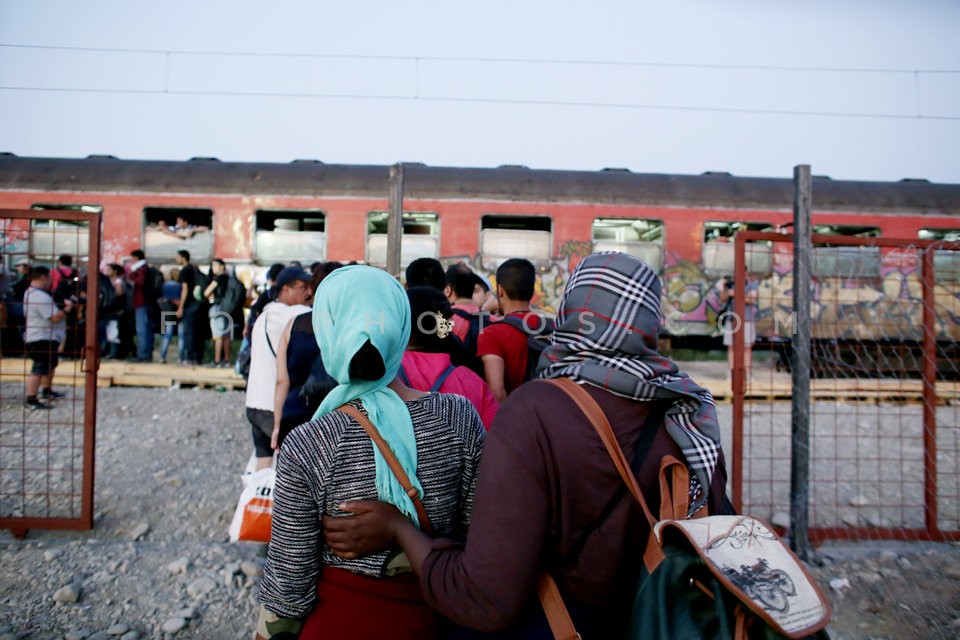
column 394, row 464
column 442, row 378
column 266, row 320
column 557, row 615
column 674, row 499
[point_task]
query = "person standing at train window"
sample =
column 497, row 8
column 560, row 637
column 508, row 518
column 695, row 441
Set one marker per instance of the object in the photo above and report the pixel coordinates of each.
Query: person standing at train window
column 187, row 313
column 221, row 324
column 65, row 284
column 293, row 289
column 137, row 276
column 428, row 363
column 45, row 331
column 266, row 296
column 730, row 323
column 169, row 302
column 425, row 272
column 503, row 349
column 302, row 378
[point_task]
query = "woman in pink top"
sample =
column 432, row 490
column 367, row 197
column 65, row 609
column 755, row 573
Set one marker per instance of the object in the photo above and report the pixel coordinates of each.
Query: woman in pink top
column 426, row 362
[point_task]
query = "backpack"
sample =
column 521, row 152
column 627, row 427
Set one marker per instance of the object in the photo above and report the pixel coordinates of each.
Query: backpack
column 152, row 285
column 722, row 576
column 538, row 339
column 402, row 374
column 467, row 355
column 106, row 295
column 67, row 286
column 201, row 281
column 234, row 296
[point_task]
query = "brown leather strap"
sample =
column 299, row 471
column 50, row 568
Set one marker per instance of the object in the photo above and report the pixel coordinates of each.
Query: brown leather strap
column 653, row 554
column 557, row 616
column 391, row 459
column 598, row 419
column 674, row 489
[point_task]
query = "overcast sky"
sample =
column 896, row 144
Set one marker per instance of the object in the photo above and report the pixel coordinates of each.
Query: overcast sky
column 857, row 89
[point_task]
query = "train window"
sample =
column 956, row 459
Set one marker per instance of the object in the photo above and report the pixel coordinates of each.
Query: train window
column 283, row 236
column 719, row 249
column 52, row 238
column 421, row 237
column 832, row 261
column 170, row 229
column 640, row 238
column 507, row 236
column 946, row 264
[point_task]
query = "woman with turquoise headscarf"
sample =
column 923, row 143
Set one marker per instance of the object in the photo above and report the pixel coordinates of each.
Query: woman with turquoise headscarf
column 361, row 318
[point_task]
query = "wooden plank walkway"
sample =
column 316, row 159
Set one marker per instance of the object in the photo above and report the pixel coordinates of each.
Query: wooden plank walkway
column 765, row 385
column 118, row 373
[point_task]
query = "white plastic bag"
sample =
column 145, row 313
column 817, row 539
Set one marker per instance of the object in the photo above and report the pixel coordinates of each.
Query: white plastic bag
column 254, row 514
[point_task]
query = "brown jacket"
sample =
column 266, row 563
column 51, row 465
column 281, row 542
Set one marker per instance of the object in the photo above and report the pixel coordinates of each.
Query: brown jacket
column 548, row 496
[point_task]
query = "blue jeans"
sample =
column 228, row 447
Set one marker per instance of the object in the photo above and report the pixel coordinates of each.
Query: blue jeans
column 166, row 335
column 144, row 333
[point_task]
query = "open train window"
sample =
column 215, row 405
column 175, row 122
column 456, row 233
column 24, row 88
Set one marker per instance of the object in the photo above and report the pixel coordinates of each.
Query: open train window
column 509, row 236
column 719, row 251
column 169, row 229
column 421, row 237
column 832, row 261
column 284, row 236
column 640, row 238
column 52, row 238
column 946, row 264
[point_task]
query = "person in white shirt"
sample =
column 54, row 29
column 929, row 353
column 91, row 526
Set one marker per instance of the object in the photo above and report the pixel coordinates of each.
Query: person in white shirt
column 293, row 290
column 46, row 328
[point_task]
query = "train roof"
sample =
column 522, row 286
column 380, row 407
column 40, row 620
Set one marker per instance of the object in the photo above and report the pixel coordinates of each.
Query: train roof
column 615, row 187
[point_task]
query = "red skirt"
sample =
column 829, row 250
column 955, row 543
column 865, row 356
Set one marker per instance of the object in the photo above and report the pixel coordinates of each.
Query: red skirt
column 355, row 607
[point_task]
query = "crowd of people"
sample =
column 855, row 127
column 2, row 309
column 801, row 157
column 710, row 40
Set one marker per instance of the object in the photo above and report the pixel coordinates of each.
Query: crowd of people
column 426, row 476
column 488, row 477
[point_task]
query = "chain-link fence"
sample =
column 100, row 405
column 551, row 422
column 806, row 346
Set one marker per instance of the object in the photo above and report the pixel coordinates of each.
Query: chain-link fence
column 48, row 366
column 884, row 443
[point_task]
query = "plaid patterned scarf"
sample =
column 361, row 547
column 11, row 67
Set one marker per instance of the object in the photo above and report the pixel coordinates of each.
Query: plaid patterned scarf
column 606, row 335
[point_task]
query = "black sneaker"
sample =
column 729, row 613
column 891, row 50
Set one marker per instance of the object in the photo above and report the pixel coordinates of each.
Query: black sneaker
column 50, row 394
column 35, row 405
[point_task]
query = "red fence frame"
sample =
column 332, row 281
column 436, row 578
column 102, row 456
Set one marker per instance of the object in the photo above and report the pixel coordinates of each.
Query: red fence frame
column 932, row 531
column 89, row 363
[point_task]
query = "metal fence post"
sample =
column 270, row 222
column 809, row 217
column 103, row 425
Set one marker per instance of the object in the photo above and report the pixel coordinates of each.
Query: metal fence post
column 800, row 404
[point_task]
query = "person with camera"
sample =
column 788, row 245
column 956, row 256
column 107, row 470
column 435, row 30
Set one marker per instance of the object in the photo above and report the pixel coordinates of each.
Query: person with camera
column 730, row 323
column 46, row 329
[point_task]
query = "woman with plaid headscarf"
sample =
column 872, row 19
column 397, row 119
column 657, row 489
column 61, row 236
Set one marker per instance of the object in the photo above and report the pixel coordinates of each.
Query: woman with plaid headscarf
column 548, row 496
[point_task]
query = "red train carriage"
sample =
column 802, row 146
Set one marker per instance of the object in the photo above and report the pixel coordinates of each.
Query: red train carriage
column 254, row 214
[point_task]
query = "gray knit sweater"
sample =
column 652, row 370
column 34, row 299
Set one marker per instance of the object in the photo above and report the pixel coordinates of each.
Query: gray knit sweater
column 330, row 460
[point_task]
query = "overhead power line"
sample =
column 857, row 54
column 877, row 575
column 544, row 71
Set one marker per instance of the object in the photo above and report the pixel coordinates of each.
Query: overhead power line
column 417, row 96
column 333, row 56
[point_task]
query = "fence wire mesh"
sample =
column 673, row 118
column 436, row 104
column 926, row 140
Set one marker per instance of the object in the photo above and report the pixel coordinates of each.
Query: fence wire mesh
column 885, row 388
column 47, row 386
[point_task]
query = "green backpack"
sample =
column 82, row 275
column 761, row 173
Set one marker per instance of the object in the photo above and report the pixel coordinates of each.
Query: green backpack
column 706, row 577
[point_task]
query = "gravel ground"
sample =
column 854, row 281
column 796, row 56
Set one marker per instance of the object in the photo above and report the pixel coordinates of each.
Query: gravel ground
column 158, row 564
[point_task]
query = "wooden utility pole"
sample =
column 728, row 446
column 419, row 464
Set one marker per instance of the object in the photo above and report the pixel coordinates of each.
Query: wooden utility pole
column 395, row 220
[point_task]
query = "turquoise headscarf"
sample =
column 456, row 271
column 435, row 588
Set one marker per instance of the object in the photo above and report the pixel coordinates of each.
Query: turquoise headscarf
column 352, row 305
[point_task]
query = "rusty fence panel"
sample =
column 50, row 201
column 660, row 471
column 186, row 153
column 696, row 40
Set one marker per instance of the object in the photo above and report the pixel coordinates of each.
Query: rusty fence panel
column 47, row 456
column 885, row 388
